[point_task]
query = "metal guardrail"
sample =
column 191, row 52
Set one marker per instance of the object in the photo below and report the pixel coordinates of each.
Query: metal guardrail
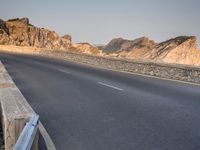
column 28, row 134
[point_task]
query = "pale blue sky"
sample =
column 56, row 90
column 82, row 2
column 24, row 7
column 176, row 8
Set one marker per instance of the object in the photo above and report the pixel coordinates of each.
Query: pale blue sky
column 98, row 21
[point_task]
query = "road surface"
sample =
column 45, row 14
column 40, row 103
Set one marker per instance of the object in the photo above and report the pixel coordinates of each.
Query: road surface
column 86, row 108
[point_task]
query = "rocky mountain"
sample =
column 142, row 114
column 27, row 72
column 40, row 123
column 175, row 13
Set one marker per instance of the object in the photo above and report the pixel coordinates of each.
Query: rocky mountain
column 20, row 32
column 182, row 50
column 85, row 48
column 99, row 46
column 120, row 44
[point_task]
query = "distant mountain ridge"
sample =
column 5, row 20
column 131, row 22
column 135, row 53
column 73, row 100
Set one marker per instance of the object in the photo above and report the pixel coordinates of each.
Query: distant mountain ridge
column 181, row 50
column 120, row 44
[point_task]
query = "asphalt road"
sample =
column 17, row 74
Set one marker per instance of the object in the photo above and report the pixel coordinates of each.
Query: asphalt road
column 86, row 108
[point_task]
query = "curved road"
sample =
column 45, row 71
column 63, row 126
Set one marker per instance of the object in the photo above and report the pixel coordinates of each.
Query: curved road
column 86, row 108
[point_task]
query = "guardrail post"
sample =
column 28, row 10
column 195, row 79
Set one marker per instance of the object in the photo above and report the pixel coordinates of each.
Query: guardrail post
column 28, row 136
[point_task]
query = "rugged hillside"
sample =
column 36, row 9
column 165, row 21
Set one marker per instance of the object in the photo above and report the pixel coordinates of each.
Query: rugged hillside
column 120, row 44
column 85, row 48
column 20, row 32
column 181, row 50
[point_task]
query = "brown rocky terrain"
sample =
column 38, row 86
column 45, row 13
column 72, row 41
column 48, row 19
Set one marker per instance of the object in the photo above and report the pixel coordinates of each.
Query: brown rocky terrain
column 120, row 44
column 20, row 32
column 181, row 50
column 85, row 48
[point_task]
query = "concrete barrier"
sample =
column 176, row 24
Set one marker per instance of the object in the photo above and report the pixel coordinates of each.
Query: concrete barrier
column 15, row 110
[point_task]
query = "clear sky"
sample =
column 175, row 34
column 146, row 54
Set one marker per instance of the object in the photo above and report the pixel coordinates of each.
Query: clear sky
column 98, row 21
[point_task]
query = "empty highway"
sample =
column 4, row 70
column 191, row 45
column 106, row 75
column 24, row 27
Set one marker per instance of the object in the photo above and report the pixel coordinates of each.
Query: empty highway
column 87, row 108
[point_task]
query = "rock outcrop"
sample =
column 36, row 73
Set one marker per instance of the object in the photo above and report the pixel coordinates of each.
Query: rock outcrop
column 85, row 48
column 67, row 37
column 120, row 44
column 20, row 32
column 181, row 50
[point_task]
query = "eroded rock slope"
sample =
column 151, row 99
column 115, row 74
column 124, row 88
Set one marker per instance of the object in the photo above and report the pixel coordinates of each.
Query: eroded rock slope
column 181, row 50
column 20, row 32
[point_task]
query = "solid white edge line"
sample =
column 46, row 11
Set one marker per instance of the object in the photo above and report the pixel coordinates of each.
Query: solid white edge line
column 114, row 87
column 64, row 71
column 48, row 141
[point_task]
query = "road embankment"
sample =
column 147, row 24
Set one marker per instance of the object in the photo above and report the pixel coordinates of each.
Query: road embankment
column 162, row 70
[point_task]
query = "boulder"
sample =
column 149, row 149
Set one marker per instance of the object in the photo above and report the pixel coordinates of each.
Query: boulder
column 68, row 37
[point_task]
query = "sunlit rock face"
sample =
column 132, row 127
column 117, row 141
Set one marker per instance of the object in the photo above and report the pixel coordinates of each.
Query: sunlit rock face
column 181, row 50
column 120, row 44
column 20, row 32
column 85, row 48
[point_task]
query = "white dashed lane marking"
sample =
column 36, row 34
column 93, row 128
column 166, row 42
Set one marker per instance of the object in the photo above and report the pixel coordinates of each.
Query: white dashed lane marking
column 64, row 71
column 110, row 86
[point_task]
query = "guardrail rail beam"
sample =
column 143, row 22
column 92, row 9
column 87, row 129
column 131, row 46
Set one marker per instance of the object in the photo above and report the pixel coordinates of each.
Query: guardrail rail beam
column 28, row 134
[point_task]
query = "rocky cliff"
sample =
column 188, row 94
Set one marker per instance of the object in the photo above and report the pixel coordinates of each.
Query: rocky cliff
column 181, row 50
column 20, row 32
